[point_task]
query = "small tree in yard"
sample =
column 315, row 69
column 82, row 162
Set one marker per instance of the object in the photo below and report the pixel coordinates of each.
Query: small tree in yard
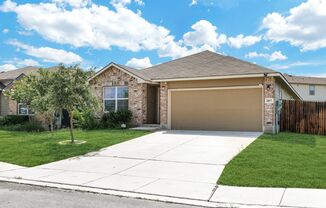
column 70, row 91
column 34, row 91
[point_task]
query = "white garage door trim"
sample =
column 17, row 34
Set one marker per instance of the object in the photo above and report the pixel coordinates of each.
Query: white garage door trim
column 214, row 88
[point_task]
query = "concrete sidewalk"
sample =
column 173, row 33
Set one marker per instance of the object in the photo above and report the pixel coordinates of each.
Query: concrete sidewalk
column 224, row 196
column 174, row 166
column 184, row 164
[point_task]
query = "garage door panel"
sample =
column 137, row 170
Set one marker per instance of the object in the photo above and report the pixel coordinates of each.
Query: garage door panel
column 227, row 110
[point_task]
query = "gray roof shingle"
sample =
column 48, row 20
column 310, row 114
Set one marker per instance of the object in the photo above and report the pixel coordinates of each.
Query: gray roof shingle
column 203, row 64
column 305, row 80
column 13, row 74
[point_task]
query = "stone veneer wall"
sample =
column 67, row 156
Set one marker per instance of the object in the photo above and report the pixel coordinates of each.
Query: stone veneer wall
column 269, row 108
column 137, row 92
column 13, row 107
column 164, row 104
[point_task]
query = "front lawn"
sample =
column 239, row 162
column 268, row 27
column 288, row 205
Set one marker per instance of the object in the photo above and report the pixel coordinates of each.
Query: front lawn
column 32, row 149
column 283, row 160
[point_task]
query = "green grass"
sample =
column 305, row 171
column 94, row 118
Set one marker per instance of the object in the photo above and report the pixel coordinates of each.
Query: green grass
column 32, row 149
column 283, row 160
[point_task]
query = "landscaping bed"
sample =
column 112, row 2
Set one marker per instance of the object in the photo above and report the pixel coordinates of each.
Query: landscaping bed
column 32, row 149
column 284, row 160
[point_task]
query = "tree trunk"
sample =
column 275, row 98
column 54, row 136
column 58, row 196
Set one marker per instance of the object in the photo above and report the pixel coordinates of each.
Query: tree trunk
column 71, row 127
column 51, row 123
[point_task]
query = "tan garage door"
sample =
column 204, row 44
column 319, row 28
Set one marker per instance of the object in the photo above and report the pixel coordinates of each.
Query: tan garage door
column 218, row 109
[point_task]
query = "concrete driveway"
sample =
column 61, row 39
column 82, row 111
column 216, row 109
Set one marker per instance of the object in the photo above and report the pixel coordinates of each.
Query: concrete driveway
column 183, row 164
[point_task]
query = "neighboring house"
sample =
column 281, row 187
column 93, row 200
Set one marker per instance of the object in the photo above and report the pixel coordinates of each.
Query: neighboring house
column 7, row 80
column 204, row 91
column 309, row 88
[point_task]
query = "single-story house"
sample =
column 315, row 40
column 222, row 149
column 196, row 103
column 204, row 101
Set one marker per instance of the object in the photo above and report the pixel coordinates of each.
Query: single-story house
column 309, row 88
column 11, row 107
column 7, row 79
column 204, row 91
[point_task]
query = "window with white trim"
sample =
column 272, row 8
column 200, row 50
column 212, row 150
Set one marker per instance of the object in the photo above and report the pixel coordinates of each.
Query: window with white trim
column 24, row 110
column 312, row 89
column 115, row 98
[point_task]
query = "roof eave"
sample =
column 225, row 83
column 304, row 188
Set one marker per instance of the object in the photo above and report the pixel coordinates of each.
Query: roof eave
column 287, row 83
column 139, row 79
column 209, row 77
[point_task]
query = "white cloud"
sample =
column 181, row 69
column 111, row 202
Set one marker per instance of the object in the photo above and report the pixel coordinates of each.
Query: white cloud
column 120, row 3
column 140, row 2
column 193, row 2
column 82, row 23
column 303, row 27
column 6, row 30
column 243, row 41
column 204, row 33
column 296, row 64
column 48, row 54
column 93, row 25
column 139, row 63
column 73, row 3
column 7, row 67
column 8, row 6
column 277, row 55
column 28, row 62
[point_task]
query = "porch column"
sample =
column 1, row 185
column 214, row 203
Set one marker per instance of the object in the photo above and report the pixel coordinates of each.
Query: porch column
column 164, row 105
column 269, row 104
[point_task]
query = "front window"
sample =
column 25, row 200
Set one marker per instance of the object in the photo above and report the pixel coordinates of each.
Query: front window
column 24, row 110
column 312, row 89
column 115, row 98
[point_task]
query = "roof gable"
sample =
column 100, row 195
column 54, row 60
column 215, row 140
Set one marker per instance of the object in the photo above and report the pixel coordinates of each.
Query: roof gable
column 128, row 70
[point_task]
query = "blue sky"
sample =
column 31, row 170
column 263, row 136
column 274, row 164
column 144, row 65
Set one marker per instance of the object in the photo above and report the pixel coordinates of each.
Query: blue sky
column 285, row 35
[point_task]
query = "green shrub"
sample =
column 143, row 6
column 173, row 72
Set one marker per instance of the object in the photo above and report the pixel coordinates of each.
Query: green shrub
column 123, row 116
column 13, row 120
column 28, row 126
column 115, row 119
column 85, row 120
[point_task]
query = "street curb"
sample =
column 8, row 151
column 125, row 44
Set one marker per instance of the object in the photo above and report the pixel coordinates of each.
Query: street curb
column 127, row 194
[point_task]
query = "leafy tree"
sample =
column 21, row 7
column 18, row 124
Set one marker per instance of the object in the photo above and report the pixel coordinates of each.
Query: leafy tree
column 34, row 91
column 70, row 91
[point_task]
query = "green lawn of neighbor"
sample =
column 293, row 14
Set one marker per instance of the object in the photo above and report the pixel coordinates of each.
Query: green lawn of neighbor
column 32, row 149
column 283, row 160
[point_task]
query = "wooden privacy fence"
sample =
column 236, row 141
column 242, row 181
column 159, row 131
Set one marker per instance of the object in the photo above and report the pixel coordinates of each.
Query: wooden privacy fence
column 303, row 117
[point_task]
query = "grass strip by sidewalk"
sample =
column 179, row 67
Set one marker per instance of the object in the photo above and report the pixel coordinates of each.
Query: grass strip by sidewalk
column 32, row 149
column 283, row 160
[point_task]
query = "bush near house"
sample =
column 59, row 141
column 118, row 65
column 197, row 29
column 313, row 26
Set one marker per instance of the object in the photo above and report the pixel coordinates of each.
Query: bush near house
column 116, row 119
column 13, row 120
column 19, row 123
column 86, row 120
column 27, row 126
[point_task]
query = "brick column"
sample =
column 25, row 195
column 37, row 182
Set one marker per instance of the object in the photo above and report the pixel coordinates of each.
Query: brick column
column 164, row 105
column 144, row 103
column 269, row 104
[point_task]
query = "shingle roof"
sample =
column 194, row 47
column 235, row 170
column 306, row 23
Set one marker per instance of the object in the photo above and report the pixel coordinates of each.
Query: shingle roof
column 203, row 64
column 305, row 80
column 13, row 74
column 137, row 72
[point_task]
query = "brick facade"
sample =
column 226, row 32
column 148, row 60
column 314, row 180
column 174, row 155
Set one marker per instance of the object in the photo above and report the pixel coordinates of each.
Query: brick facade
column 12, row 107
column 269, row 105
column 164, row 104
column 137, row 92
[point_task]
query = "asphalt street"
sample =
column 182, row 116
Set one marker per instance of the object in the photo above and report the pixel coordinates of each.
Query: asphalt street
column 24, row 196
